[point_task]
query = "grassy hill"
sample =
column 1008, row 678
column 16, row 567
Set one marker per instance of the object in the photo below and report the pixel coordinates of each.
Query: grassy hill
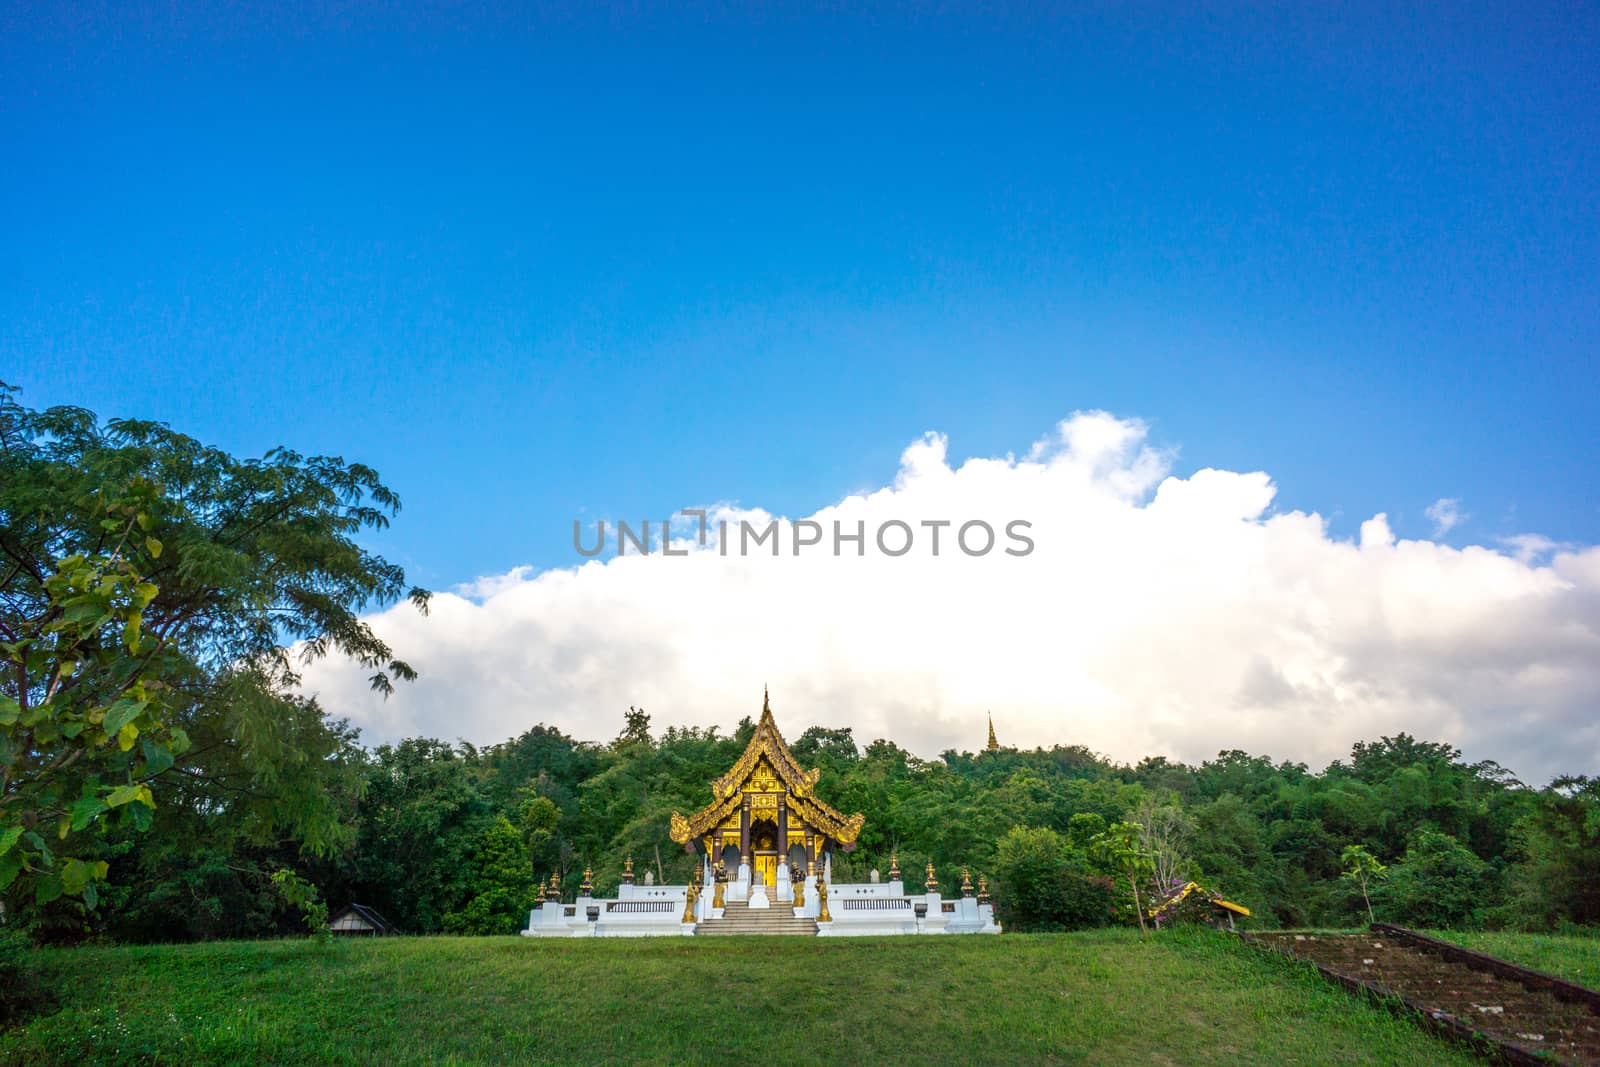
column 1575, row 957
column 1105, row 997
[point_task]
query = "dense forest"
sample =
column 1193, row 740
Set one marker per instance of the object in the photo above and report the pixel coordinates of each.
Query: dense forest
column 450, row 838
column 162, row 778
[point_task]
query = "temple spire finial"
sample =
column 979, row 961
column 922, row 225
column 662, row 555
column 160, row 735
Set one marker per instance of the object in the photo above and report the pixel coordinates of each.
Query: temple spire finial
column 766, row 702
column 994, row 746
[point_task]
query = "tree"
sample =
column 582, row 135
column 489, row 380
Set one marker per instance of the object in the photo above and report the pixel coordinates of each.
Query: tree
column 147, row 581
column 1362, row 867
column 1230, row 847
column 1437, row 883
column 302, row 896
column 1029, row 868
column 1560, row 842
column 1164, row 835
column 84, row 682
column 501, row 888
column 258, row 786
column 1121, row 850
column 1083, row 828
column 1374, row 760
column 636, row 728
column 834, row 747
column 1040, row 884
column 540, row 819
column 420, row 819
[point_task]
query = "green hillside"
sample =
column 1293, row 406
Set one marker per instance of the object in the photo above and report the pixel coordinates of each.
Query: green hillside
column 1102, row 997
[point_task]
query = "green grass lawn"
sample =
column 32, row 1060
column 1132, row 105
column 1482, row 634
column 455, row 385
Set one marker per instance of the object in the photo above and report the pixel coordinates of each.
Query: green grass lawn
column 1106, row 997
column 1573, row 957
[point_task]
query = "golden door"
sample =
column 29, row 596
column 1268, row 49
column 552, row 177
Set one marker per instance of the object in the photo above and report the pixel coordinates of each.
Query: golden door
column 767, row 869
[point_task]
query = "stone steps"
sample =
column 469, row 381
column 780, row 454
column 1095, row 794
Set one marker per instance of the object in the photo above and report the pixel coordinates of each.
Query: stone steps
column 1523, row 1015
column 739, row 919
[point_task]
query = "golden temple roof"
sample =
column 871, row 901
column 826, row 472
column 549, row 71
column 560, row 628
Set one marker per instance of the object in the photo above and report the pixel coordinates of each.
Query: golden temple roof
column 767, row 748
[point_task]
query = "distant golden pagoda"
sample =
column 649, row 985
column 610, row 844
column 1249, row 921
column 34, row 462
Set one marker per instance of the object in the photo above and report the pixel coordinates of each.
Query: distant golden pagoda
column 993, row 746
column 765, row 810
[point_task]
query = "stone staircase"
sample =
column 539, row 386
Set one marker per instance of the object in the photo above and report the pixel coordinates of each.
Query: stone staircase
column 738, row 918
column 1523, row 1016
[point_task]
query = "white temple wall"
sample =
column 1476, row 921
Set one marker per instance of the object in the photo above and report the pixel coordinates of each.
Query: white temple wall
column 856, row 909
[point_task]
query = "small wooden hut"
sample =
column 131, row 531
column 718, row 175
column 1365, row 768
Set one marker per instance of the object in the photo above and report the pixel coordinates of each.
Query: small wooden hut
column 358, row 920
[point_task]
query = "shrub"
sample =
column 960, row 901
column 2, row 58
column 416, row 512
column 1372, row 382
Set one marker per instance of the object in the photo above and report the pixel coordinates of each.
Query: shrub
column 1041, row 884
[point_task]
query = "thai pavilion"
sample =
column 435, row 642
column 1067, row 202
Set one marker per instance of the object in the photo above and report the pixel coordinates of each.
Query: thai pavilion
column 765, row 844
column 765, row 820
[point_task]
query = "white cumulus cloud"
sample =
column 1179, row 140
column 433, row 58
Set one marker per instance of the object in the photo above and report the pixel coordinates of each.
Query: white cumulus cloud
column 1154, row 615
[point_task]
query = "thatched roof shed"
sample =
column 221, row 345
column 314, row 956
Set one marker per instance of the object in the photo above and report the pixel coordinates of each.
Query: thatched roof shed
column 1194, row 902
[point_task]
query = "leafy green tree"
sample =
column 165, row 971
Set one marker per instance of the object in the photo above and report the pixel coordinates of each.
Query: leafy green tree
column 1383, row 759
column 240, row 806
column 1161, row 775
column 835, row 748
column 541, row 820
column 636, row 730
column 545, row 759
column 1083, row 828
column 1029, row 874
column 302, row 896
column 1559, row 839
column 1230, row 847
column 1121, row 851
column 1239, row 773
column 420, row 817
column 502, row 884
column 146, row 580
column 1040, row 884
column 1363, row 868
column 83, row 686
column 1437, row 883
column 1164, row 836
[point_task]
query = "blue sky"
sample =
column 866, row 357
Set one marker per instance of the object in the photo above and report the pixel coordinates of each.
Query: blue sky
column 538, row 269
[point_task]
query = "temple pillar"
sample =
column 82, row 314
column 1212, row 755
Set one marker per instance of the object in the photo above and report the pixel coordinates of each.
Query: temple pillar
column 740, row 890
column 744, row 832
column 784, row 888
